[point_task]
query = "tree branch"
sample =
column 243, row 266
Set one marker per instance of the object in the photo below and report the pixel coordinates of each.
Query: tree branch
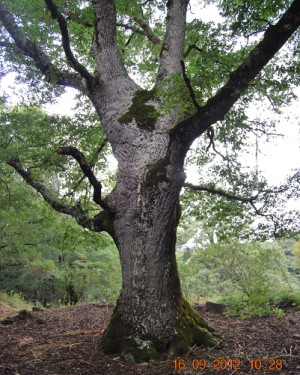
column 55, row 14
column 99, row 150
column 144, row 31
column 75, row 211
column 210, row 133
column 190, row 48
column 269, row 199
column 173, row 45
column 216, row 108
column 30, row 49
column 211, row 189
column 189, row 86
column 86, row 169
column 105, row 49
column 147, row 31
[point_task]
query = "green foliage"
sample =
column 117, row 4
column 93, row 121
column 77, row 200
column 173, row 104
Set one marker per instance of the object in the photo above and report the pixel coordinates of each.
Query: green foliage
column 14, row 301
column 41, row 251
column 209, row 66
column 30, row 134
column 251, row 277
column 296, row 253
column 174, row 98
column 37, row 24
column 249, row 16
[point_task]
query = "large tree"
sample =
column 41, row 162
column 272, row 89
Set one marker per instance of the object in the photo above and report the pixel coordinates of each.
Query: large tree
column 200, row 74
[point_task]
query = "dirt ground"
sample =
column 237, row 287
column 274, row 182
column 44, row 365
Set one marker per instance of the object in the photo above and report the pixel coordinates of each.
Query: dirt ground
column 64, row 341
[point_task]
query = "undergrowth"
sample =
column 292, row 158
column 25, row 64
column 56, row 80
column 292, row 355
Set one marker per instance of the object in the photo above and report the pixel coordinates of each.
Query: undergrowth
column 260, row 305
column 15, row 301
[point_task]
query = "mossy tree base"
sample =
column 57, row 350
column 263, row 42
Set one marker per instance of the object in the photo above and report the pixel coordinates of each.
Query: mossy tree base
column 136, row 344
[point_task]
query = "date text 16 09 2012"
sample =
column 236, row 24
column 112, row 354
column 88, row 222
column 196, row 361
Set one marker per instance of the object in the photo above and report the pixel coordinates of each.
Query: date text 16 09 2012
column 231, row 364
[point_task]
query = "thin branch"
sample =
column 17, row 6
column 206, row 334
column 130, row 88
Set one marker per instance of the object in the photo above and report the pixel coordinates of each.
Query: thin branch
column 8, row 143
column 73, row 16
column 221, row 193
column 87, row 170
column 75, row 211
column 42, row 61
column 190, row 48
column 75, row 187
column 7, row 189
column 259, row 212
column 261, row 20
column 129, row 40
column 99, row 150
column 44, row 162
column 210, row 134
column 189, row 86
column 55, row 14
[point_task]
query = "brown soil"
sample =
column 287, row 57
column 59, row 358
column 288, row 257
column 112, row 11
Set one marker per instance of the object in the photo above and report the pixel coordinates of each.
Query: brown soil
column 64, row 341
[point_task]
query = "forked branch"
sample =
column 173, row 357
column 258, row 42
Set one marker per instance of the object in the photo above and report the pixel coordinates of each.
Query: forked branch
column 267, row 198
column 147, row 31
column 190, row 48
column 87, row 170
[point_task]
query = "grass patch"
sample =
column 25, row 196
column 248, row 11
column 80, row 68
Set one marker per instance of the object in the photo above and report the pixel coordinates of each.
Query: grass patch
column 14, row 301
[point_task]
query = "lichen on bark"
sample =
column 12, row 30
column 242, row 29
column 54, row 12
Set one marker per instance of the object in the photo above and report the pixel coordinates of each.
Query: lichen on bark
column 121, row 338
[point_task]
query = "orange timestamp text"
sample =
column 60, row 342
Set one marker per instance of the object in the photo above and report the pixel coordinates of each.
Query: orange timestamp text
column 223, row 364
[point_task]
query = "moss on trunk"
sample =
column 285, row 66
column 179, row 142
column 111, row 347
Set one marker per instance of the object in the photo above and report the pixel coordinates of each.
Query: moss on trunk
column 190, row 329
column 144, row 114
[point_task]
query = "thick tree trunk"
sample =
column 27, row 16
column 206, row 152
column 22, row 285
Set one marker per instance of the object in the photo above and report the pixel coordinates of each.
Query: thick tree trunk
column 151, row 315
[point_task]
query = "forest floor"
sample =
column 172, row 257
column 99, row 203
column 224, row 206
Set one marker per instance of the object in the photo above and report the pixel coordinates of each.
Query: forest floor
column 64, row 341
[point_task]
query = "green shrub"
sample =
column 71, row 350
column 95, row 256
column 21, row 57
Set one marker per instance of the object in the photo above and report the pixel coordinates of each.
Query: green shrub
column 14, row 301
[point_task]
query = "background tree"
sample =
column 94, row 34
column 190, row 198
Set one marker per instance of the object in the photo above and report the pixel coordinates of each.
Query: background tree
column 199, row 75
